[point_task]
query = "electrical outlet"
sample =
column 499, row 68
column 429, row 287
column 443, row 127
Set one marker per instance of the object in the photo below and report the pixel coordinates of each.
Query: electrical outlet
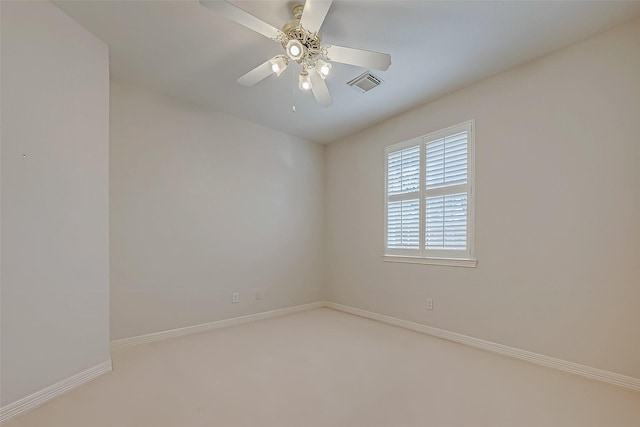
column 258, row 295
column 235, row 297
column 429, row 304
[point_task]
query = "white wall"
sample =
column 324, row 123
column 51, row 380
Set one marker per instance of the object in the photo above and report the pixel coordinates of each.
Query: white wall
column 557, row 210
column 55, row 248
column 202, row 205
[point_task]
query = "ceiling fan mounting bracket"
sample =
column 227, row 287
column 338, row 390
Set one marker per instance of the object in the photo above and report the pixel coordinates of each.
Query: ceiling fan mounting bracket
column 296, row 10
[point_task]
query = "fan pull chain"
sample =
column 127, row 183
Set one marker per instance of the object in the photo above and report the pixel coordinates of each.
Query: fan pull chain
column 293, row 96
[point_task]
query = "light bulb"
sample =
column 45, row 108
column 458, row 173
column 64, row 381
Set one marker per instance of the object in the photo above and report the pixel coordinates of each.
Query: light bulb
column 304, row 81
column 279, row 64
column 295, row 49
column 323, row 68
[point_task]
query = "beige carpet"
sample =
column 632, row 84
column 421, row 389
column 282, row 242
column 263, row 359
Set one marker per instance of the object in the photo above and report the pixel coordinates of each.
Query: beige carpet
column 326, row 368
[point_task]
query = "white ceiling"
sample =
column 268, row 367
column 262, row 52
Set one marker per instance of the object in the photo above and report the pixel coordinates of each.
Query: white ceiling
column 187, row 51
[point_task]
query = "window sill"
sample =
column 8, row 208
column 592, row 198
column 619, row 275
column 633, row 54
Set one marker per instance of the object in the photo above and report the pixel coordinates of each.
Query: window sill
column 450, row 262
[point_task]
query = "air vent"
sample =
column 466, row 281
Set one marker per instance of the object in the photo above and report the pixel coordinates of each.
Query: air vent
column 365, row 82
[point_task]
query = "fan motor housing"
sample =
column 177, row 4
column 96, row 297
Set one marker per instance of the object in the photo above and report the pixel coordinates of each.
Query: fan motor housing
column 293, row 31
column 311, row 41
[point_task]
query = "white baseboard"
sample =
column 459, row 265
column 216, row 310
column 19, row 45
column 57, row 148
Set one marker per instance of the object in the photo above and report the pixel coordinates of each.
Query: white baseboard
column 172, row 333
column 43, row 396
column 36, row 399
column 540, row 359
column 40, row 397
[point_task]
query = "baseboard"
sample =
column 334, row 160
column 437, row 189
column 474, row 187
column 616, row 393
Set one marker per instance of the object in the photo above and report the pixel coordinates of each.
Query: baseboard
column 43, row 396
column 36, row 399
column 540, row 359
column 172, row 333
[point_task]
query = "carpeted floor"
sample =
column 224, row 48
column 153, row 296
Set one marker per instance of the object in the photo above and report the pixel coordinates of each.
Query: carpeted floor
column 327, row 368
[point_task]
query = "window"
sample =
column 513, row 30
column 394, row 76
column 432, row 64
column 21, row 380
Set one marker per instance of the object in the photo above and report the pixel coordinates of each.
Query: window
column 429, row 198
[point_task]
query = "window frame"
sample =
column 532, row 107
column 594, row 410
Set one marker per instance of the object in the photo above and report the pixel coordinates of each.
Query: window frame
column 422, row 255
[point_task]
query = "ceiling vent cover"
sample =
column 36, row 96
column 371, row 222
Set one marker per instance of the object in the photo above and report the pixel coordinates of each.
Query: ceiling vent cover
column 365, row 82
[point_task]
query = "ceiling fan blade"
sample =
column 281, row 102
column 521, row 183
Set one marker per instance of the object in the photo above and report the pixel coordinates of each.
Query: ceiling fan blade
column 320, row 89
column 359, row 57
column 314, row 13
column 256, row 75
column 242, row 17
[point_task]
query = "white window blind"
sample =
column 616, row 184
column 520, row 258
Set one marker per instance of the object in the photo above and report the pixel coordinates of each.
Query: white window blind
column 403, row 230
column 429, row 203
column 403, row 206
column 403, row 171
column 446, row 222
column 447, row 160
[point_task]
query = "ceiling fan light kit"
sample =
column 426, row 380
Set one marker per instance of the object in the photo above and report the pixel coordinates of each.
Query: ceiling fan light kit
column 323, row 68
column 295, row 50
column 302, row 44
column 279, row 64
column 304, row 80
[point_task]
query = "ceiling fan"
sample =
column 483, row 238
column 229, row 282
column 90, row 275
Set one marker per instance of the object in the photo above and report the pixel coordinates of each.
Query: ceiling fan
column 302, row 44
